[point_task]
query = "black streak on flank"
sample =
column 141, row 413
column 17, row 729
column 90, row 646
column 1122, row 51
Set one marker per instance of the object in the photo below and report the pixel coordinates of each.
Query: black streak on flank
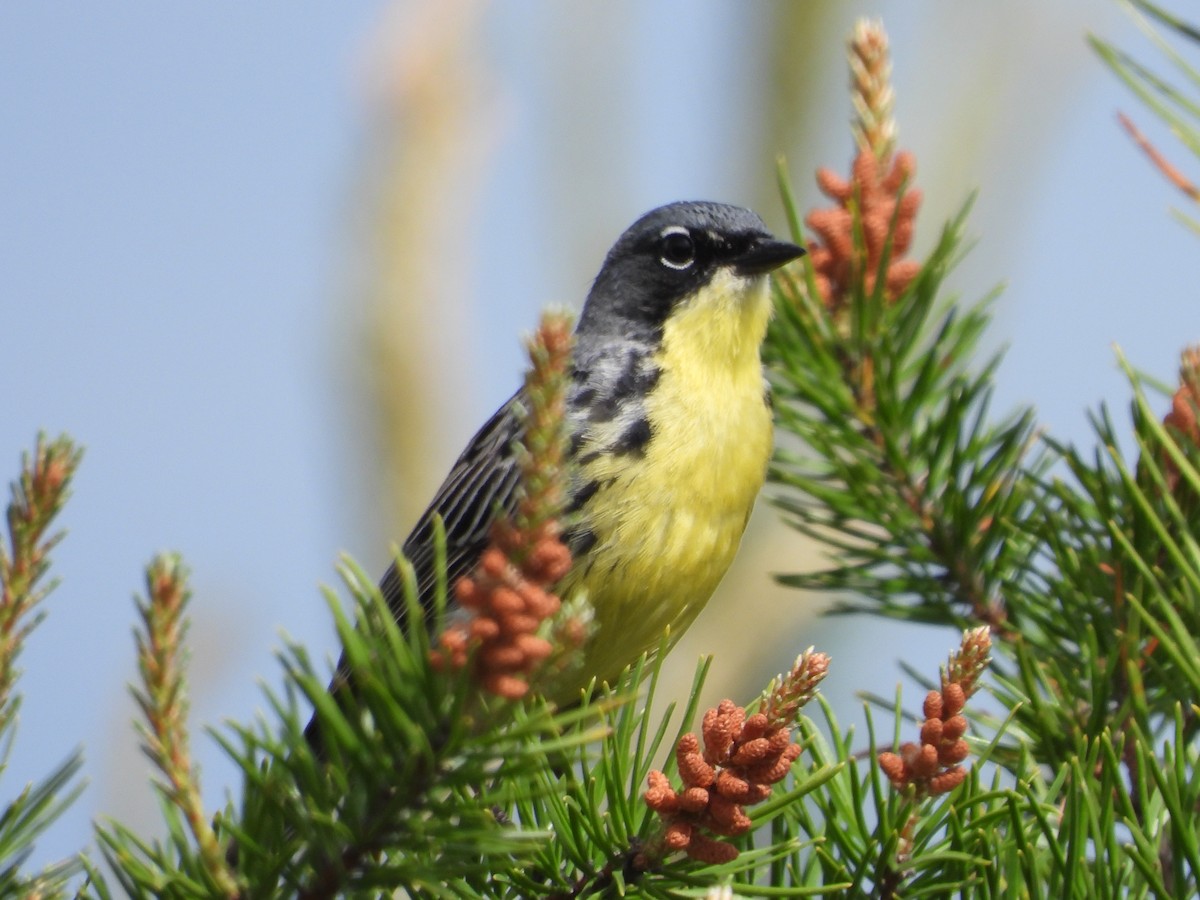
column 604, row 409
column 583, row 495
column 646, row 379
column 638, row 376
column 633, row 439
column 581, row 542
column 635, row 382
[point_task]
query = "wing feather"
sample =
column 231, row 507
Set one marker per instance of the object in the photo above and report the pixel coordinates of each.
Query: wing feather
column 482, row 480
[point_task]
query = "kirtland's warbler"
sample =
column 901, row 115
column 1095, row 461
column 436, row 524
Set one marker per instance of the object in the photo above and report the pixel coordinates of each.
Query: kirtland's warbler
column 670, row 433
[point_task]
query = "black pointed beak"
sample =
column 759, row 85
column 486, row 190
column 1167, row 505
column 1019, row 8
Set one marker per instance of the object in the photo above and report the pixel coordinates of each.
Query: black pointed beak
column 765, row 254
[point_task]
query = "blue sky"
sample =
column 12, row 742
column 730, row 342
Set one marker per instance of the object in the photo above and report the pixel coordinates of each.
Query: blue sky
column 182, row 235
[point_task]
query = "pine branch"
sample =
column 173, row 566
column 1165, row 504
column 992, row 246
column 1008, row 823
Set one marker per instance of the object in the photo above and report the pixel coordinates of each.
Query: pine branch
column 932, row 512
column 900, row 439
column 36, row 499
column 38, row 495
column 163, row 702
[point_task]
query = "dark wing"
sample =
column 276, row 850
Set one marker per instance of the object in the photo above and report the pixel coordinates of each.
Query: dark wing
column 483, row 479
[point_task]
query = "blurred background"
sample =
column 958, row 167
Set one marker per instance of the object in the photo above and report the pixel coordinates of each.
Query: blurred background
column 271, row 263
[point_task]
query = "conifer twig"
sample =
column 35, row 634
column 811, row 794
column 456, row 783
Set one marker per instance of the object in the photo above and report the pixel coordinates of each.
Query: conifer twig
column 163, row 703
column 37, row 497
column 860, row 286
column 934, row 766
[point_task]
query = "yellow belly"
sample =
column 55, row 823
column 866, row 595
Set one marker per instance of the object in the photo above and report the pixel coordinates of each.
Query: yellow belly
column 669, row 522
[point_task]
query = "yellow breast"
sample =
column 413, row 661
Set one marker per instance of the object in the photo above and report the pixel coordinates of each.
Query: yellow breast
column 668, row 521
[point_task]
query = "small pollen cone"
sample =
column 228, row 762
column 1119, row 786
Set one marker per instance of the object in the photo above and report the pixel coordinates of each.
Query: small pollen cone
column 877, row 200
column 934, row 766
column 510, row 595
column 742, row 758
column 875, row 209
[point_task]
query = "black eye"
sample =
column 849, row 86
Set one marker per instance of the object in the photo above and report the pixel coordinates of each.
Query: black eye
column 675, row 248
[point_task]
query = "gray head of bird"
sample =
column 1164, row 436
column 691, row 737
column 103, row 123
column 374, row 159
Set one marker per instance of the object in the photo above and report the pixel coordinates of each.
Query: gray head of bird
column 670, row 254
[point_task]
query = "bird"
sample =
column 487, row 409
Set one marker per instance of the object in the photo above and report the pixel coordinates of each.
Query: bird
column 670, row 432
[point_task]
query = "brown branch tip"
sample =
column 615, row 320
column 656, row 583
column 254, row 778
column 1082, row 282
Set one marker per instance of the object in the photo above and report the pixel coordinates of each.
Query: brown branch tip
column 1158, row 160
column 743, row 757
column 509, row 595
column 934, row 766
column 1182, row 419
column 160, row 649
column 163, row 702
column 871, row 89
column 37, row 497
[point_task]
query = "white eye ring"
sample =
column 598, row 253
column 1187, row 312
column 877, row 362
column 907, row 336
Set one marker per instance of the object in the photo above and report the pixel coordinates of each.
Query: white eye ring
column 673, row 256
